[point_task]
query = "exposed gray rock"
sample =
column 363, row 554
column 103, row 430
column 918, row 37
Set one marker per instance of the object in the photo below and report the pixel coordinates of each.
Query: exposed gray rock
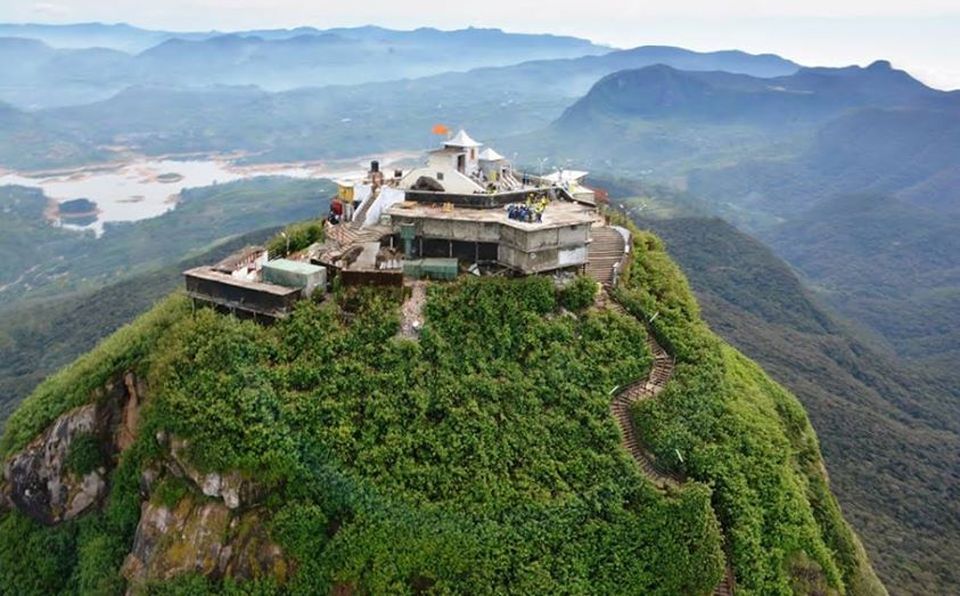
column 92, row 488
column 147, row 480
column 204, row 537
column 210, row 484
column 37, row 480
column 230, row 486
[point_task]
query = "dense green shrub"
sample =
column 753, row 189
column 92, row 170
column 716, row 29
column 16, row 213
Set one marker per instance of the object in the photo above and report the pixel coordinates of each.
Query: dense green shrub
column 34, row 559
column 98, row 556
column 491, row 435
column 743, row 434
column 169, row 491
column 84, row 455
column 295, row 238
column 579, row 293
column 480, row 459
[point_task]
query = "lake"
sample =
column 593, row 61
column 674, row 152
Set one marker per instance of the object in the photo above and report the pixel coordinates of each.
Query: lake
column 147, row 187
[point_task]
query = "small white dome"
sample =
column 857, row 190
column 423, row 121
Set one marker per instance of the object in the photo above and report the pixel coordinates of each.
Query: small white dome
column 489, row 154
column 461, row 139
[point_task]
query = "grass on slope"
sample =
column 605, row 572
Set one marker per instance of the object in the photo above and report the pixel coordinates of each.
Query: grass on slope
column 723, row 422
column 890, row 458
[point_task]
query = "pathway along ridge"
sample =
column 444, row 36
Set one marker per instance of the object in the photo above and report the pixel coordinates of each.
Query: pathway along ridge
column 643, row 389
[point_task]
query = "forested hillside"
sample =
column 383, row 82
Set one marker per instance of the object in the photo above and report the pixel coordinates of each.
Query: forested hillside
column 884, row 262
column 43, row 261
column 38, row 337
column 481, row 457
column 884, row 425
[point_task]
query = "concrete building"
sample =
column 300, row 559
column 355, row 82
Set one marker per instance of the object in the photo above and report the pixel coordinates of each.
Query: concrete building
column 464, row 202
column 465, row 208
column 488, row 235
column 248, row 284
column 460, row 167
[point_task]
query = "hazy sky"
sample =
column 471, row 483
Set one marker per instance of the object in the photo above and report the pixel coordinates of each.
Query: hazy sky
column 922, row 36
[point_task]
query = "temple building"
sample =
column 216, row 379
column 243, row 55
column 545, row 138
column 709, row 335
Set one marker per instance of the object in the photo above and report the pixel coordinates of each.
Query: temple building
column 465, row 208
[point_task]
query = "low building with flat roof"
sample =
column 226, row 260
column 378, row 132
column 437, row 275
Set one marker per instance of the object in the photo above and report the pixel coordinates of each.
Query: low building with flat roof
column 247, row 298
column 557, row 241
column 463, row 209
column 248, row 284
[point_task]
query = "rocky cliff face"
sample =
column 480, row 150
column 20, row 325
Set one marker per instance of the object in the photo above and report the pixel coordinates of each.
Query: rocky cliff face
column 203, row 536
column 39, row 482
column 64, row 471
column 215, row 527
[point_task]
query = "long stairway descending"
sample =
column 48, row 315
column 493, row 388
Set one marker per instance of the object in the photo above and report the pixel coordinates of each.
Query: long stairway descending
column 345, row 234
column 651, row 386
column 510, row 181
column 361, row 214
column 603, row 253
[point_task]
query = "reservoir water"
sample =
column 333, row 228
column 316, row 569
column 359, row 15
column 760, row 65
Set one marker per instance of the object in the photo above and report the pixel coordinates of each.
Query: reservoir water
column 149, row 187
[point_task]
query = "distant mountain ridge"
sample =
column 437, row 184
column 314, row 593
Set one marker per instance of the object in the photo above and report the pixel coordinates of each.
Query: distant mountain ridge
column 305, row 57
column 131, row 39
column 573, row 77
column 48, row 57
column 340, row 120
column 806, row 95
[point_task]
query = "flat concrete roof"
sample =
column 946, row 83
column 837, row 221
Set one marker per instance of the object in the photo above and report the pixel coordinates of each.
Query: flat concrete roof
column 210, row 275
column 301, row 267
column 557, row 215
column 368, row 258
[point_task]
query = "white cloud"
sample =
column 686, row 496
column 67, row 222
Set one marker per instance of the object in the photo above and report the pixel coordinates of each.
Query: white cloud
column 50, row 9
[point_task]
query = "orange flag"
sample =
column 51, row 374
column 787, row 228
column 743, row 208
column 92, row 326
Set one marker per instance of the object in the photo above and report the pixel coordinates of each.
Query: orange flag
column 440, row 129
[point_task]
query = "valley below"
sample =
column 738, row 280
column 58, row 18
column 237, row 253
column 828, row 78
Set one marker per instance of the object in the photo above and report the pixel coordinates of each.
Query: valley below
column 813, row 210
column 143, row 187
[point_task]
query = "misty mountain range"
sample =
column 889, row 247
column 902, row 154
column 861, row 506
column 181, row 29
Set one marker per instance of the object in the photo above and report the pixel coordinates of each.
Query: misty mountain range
column 274, row 60
column 337, row 57
column 313, row 122
column 850, row 175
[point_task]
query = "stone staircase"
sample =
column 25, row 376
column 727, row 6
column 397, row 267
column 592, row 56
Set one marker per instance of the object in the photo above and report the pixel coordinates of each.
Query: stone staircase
column 510, row 182
column 643, row 389
column 603, row 253
column 345, row 234
column 361, row 214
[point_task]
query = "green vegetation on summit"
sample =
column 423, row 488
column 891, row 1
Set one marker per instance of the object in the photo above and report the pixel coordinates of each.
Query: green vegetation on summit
column 481, row 458
column 705, row 426
column 886, row 428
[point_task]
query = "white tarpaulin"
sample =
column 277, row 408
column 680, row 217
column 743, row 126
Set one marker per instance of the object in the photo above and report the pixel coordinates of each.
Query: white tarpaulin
column 361, row 192
column 388, row 196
